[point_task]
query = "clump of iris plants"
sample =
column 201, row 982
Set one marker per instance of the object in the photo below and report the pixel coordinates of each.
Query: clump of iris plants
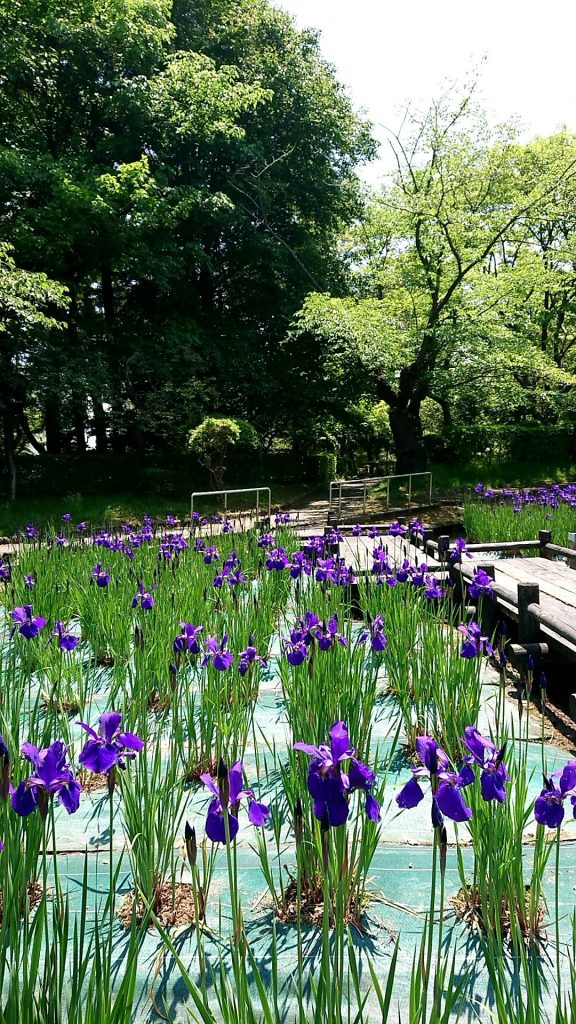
column 336, row 828
column 487, row 794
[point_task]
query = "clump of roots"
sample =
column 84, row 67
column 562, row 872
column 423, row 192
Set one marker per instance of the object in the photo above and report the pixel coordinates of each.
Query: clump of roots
column 480, row 916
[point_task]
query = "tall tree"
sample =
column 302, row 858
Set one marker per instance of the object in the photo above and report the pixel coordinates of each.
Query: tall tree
column 29, row 308
column 185, row 171
column 426, row 305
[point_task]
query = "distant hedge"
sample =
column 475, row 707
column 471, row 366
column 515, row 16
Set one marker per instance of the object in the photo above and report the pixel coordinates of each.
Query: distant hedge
column 493, row 442
column 54, row 476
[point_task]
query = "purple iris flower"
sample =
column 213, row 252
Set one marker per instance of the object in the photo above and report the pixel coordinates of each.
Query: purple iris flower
column 199, row 544
column 481, row 584
column 29, row 581
column 376, row 634
column 447, row 784
column 143, row 598
column 80, row 527
column 170, row 520
column 313, row 546
column 433, row 591
column 187, row 640
column 265, row 540
column 416, row 529
column 217, row 654
column 52, row 777
column 373, row 532
column 357, row 530
column 4, row 572
column 100, row 576
column 295, row 647
column 549, row 806
column 66, row 640
column 28, row 625
column 282, row 517
column 236, row 577
column 457, row 550
column 327, row 635
column 228, row 526
column 396, row 529
column 30, row 531
column 491, row 759
column 344, row 575
column 211, row 554
column 403, row 572
column 381, row 564
column 66, row 517
column 249, row 657
column 418, row 574
column 277, row 560
column 109, row 746
column 227, row 796
column 474, row 643
column 300, row 564
column 330, row 786
column 327, row 570
column 307, row 623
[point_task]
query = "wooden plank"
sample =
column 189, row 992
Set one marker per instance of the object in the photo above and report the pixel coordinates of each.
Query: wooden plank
column 560, row 585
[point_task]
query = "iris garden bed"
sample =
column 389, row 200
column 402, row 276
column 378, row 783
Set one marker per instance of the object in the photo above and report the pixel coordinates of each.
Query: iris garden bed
column 518, row 514
column 346, row 816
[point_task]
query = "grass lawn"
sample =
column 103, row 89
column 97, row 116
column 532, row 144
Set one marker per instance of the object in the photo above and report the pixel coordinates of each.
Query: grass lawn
column 115, row 508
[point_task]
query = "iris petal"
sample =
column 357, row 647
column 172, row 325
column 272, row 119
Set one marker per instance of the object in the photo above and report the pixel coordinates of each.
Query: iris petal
column 451, row 802
column 410, row 795
column 258, row 813
column 24, row 800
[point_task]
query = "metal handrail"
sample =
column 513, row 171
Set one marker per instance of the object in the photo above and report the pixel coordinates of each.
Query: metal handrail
column 366, row 482
column 234, row 490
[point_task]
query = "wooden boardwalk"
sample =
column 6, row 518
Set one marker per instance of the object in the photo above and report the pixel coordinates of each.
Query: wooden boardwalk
column 536, row 592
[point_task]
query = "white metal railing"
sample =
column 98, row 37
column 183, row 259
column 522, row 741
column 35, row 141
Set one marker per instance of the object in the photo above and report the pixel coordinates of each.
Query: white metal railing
column 238, row 490
column 368, row 482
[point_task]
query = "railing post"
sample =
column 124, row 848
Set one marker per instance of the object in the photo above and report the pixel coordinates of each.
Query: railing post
column 489, row 610
column 571, row 560
column 430, row 490
column 443, row 545
column 528, row 626
column 258, row 505
column 409, row 490
column 339, row 501
column 544, row 538
column 387, row 492
column 364, row 501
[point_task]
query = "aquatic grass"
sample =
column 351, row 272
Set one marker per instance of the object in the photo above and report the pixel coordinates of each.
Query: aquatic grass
column 335, row 833
column 510, row 515
column 315, row 868
column 153, row 804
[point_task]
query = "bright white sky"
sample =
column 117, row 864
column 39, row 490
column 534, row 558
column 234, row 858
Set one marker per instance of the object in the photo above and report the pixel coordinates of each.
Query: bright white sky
column 390, row 53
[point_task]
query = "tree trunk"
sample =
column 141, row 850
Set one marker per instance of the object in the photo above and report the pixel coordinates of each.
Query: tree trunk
column 406, row 428
column 53, row 426
column 79, row 425
column 446, row 411
column 99, row 425
column 9, row 450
